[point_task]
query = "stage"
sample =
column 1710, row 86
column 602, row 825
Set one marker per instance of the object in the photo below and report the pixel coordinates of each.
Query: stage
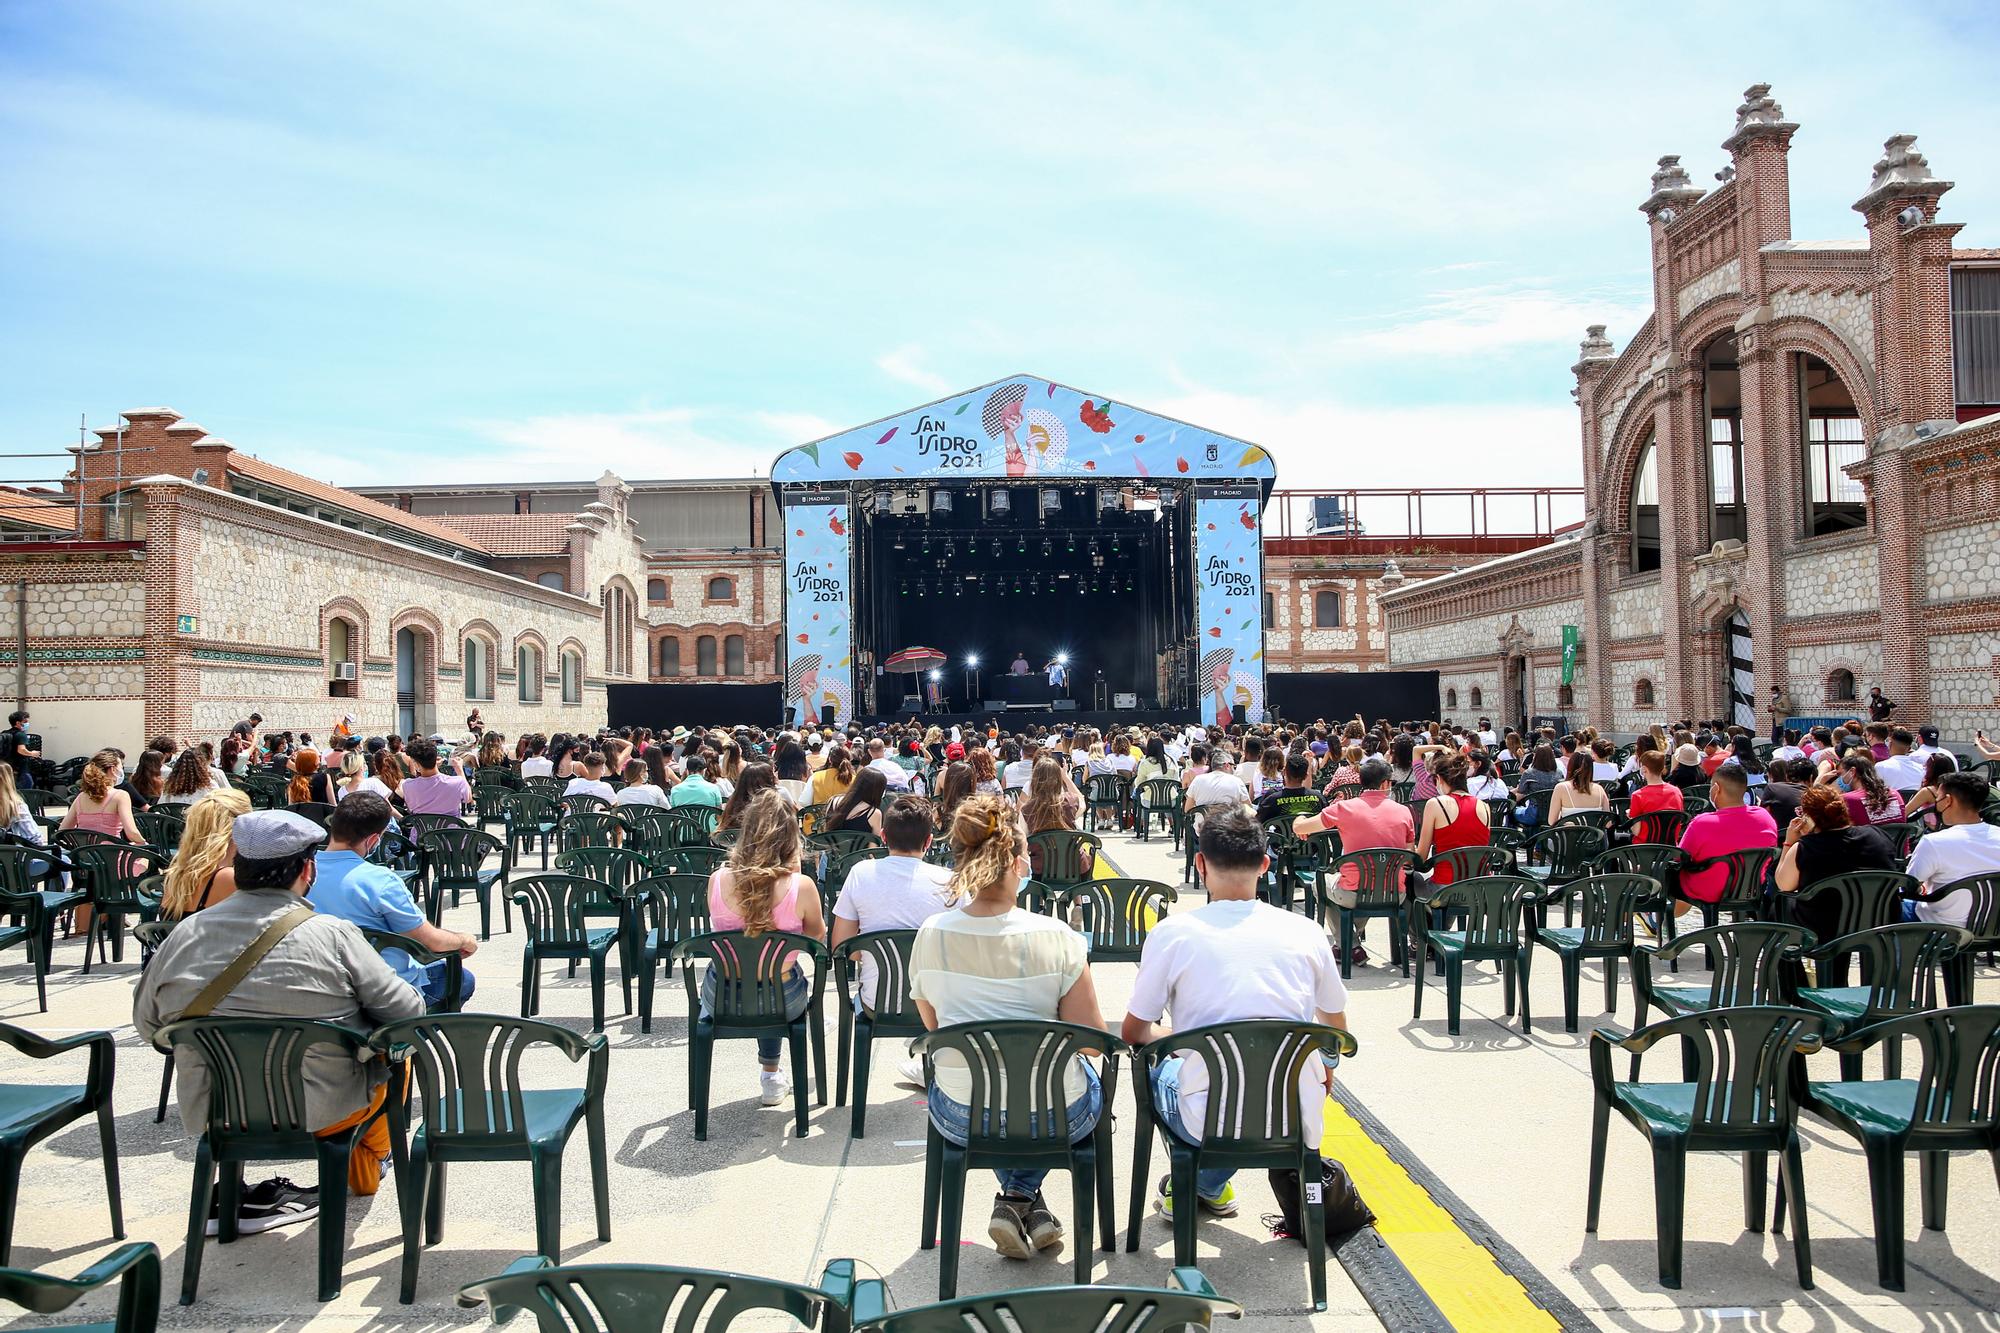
column 1018, row 720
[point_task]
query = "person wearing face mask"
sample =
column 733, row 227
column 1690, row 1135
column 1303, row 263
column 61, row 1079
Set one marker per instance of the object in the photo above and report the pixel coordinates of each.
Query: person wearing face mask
column 98, row 806
column 1964, row 846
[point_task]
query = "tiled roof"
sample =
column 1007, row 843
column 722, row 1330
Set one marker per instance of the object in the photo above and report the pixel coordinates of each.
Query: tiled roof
column 513, row 534
column 37, row 511
column 285, row 479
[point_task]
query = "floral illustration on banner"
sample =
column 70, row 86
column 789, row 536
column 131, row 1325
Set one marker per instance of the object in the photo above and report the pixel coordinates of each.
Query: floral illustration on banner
column 1229, row 607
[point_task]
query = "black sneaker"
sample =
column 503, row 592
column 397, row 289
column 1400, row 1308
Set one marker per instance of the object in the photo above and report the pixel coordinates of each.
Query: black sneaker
column 276, row 1202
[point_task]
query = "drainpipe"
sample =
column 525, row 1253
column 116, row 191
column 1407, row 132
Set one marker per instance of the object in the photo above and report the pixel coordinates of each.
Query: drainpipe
column 21, row 644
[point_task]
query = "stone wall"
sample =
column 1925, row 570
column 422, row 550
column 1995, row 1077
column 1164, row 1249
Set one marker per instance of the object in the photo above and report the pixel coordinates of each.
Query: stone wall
column 1635, row 611
column 1962, row 562
column 88, row 608
column 1623, row 711
column 1841, row 580
column 1808, row 668
column 1965, row 683
column 1849, row 313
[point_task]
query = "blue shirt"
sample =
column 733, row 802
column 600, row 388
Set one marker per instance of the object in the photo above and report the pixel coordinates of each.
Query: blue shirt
column 370, row 896
column 695, row 791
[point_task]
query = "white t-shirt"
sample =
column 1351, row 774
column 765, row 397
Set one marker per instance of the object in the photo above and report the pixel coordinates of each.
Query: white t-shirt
column 892, row 772
column 1901, row 771
column 1017, row 773
column 1218, row 787
column 587, row 787
column 1952, row 853
column 538, row 766
column 640, row 793
column 1231, row 961
column 376, row 785
column 1603, row 772
column 1487, row 740
column 891, row 893
column 1015, row 965
column 1788, row 753
column 1486, row 788
column 1122, row 762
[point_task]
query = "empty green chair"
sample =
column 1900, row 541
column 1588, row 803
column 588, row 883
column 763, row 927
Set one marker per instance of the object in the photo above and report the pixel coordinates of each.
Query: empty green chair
column 31, row 889
column 1322, row 850
column 532, row 819
column 477, row 1108
column 1746, row 890
column 1491, row 931
column 661, row 911
column 703, row 859
column 1189, row 1303
column 161, row 829
column 135, row 1266
column 123, row 880
column 31, row 1112
column 749, row 1002
column 1116, row 914
column 1609, row 903
column 691, row 825
column 886, row 956
column 257, row 1113
column 1157, row 800
column 493, row 807
column 1948, row 1107
column 589, row 828
column 1554, row 856
column 388, row 941
column 455, row 862
column 1899, row 969
column 1253, row 1118
column 1063, row 857
column 1380, row 878
column 1292, row 867
column 1736, row 1096
column 553, row 916
column 1749, row 967
column 1979, row 896
column 1018, row 1118
column 641, row 1298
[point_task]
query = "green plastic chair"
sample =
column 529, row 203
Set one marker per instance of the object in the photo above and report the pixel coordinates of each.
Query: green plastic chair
column 257, row 1113
column 552, row 914
column 386, row 942
column 1556, row 855
column 1948, row 1107
column 467, row 1069
column 455, row 861
column 661, row 911
column 1899, row 969
column 161, row 829
column 1106, row 792
column 548, row 788
column 589, row 828
column 1292, row 866
column 582, row 803
column 1609, row 903
column 416, row 826
column 31, row 889
column 1493, row 906
column 1017, row 1072
column 403, row 856
column 1381, row 874
column 1253, row 1118
column 639, row 1298
column 701, row 860
column 1116, row 914
column 1468, row 863
column 532, row 818
column 1322, row 849
column 809, row 819
column 833, row 877
column 750, row 1003
column 317, row 811
column 1607, row 822
column 31, row 1112
column 1749, row 965
column 1190, row 838
column 493, row 806
column 1659, row 827
column 1982, row 919
column 1157, row 799
column 1858, row 900
column 1063, row 858
column 894, row 1014
column 691, row 825
column 726, row 837
column 617, row 867
column 1736, row 1096
column 116, row 874
column 1903, row 837
column 1746, row 895
column 1188, row 1303
column 137, row 1268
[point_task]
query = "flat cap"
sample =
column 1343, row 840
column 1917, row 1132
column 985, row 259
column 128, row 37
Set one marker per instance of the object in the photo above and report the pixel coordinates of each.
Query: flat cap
column 272, row 835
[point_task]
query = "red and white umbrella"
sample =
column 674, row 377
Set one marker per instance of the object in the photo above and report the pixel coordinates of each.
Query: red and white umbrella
column 914, row 659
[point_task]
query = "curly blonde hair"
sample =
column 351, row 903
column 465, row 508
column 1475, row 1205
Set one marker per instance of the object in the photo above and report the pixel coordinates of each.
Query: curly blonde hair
column 204, row 849
column 765, row 855
column 986, row 838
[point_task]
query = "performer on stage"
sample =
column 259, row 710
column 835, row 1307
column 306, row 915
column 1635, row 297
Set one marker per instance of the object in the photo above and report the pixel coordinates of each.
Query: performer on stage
column 1058, row 675
column 1020, row 666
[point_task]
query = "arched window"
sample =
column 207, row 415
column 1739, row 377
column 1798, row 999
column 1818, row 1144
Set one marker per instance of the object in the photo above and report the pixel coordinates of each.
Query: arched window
column 704, row 656
column 1642, row 693
column 721, row 589
column 477, row 659
column 1646, row 509
column 343, row 654
column 670, row 657
column 1840, row 686
column 528, row 674
column 1270, row 610
column 1478, row 699
column 1565, row 697
column 553, row 580
column 1326, row 609
column 656, row 591
column 1451, row 698
column 732, row 655
column 572, row 677
column 1835, row 502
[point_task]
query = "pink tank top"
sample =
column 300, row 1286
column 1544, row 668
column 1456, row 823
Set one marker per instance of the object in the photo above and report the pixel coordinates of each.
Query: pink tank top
column 101, row 821
column 784, row 912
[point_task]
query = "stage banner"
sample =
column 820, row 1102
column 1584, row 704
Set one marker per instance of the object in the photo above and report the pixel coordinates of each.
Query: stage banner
column 1229, row 600
column 819, row 605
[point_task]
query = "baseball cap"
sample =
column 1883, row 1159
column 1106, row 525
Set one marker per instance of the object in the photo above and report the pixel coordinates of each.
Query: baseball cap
column 1930, row 735
column 272, row 835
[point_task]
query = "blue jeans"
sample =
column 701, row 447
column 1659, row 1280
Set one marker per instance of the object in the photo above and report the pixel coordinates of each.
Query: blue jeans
column 954, row 1120
column 798, row 991
column 431, row 984
column 1209, row 1182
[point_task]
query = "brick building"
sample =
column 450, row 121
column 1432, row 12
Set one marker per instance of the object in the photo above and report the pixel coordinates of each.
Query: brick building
column 205, row 583
column 1791, row 475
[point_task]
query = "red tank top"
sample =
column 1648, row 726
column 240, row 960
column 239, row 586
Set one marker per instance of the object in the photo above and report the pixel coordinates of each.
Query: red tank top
column 1464, row 830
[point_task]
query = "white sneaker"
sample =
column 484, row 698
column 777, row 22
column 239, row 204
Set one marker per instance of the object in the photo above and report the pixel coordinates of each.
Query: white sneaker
column 910, row 1073
column 772, row 1086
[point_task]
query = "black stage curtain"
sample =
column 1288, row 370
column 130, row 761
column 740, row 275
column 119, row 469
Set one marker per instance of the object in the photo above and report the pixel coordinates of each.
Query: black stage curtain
column 1400, row 696
column 693, row 704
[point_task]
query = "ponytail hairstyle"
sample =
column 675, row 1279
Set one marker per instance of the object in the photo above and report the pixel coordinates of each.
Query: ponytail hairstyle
column 986, row 839
column 95, row 780
column 765, row 855
column 841, row 760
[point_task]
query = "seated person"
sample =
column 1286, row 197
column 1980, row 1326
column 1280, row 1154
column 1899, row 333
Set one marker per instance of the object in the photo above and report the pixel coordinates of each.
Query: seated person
column 1965, row 845
column 1296, row 799
column 349, row 886
column 1373, row 819
column 1733, row 826
column 1232, row 960
column 591, row 781
column 1658, row 794
column 899, row 891
column 319, row 967
column 1821, row 842
column 695, row 788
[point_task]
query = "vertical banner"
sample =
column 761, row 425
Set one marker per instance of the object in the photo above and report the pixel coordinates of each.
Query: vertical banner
column 818, row 609
column 1229, row 600
column 1571, row 637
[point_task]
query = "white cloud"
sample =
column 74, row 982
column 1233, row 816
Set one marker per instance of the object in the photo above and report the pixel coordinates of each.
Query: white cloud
column 1478, row 321
column 901, row 364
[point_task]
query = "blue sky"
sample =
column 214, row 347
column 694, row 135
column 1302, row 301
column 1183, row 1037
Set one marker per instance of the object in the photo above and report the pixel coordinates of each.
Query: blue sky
column 492, row 241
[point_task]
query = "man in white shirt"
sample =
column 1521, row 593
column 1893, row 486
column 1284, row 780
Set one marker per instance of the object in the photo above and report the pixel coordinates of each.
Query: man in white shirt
column 1902, row 770
column 592, row 782
column 1488, row 738
column 1234, row 960
column 537, row 764
column 1018, row 764
column 1927, row 737
column 892, row 772
column 1964, row 847
column 1790, row 750
column 1219, row 785
column 899, row 891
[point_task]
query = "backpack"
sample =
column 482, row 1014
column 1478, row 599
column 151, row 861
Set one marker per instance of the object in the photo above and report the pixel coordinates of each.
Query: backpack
column 1346, row 1211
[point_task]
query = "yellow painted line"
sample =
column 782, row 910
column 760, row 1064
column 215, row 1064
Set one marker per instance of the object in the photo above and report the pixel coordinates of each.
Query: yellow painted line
column 1469, row 1286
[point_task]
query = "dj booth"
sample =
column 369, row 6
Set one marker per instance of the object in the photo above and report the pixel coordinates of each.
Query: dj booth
column 1029, row 691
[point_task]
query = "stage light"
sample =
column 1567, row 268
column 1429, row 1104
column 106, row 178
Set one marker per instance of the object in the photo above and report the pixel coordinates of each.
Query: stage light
column 934, row 673
column 1051, row 500
column 1062, row 659
column 940, row 502
column 881, row 502
column 1107, row 497
column 999, row 502
column 973, row 660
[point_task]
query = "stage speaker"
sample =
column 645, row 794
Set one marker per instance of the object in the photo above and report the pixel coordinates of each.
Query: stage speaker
column 826, row 716
column 1238, row 714
column 1125, row 700
column 996, row 705
column 1064, row 705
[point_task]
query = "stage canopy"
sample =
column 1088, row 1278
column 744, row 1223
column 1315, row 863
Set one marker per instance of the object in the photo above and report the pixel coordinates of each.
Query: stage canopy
column 1031, row 433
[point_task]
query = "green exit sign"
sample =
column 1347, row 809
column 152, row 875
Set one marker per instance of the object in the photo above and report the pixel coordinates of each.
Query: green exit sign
column 185, row 624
